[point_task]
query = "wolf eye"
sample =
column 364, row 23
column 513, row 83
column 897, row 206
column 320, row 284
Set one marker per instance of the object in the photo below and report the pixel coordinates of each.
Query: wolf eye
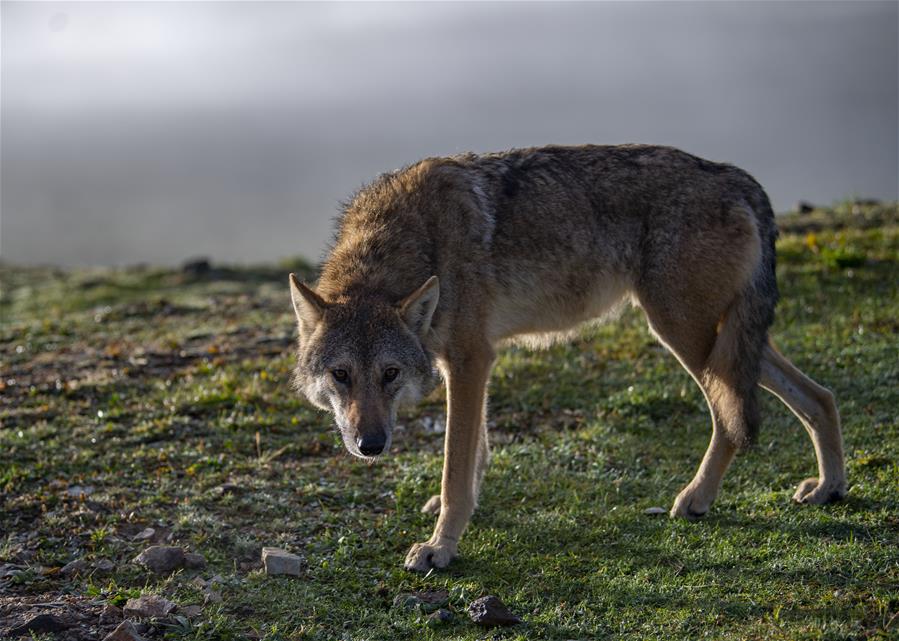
column 390, row 374
column 341, row 376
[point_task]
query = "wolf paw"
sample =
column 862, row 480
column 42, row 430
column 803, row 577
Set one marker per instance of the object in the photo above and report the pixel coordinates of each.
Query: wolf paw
column 432, row 506
column 812, row 491
column 424, row 556
column 690, row 504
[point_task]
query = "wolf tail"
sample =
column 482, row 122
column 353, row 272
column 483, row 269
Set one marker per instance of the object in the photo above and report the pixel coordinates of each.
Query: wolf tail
column 733, row 367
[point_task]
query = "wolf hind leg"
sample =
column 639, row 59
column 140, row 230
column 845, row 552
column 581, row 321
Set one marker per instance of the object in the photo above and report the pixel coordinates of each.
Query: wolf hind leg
column 815, row 407
column 720, row 346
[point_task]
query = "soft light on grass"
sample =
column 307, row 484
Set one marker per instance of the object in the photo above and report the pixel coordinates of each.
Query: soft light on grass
column 152, row 387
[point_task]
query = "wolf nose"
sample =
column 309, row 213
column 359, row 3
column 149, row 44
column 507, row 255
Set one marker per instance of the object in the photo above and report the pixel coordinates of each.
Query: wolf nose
column 371, row 444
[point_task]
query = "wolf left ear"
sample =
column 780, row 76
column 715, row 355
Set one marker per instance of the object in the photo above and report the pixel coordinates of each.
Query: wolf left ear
column 417, row 308
column 308, row 305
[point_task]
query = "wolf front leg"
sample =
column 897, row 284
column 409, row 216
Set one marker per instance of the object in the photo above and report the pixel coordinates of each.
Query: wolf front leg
column 466, row 401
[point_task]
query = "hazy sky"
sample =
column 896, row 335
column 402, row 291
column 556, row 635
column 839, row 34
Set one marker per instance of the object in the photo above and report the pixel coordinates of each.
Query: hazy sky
column 143, row 132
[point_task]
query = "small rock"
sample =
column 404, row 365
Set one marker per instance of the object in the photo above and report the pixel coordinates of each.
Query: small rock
column 437, row 598
column 40, row 624
column 191, row 611
column 247, row 566
column 110, row 614
column 212, row 596
column 229, row 488
column 655, row 510
column 162, row 535
column 104, row 566
column 11, row 569
column 407, row 601
column 161, row 559
column 278, row 561
column 144, row 535
column 73, row 567
column 147, row 606
column 433, row 425
column 438, row 618
column 489, row 611
column 196, row 267
column 77, row 491
column 194, row 561
column 125, row 632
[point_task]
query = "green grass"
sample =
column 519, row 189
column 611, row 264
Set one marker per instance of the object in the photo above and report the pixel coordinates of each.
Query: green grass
column 151, row 386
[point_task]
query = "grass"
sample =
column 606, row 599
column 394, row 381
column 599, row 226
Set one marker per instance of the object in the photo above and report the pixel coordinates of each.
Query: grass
column 156, row 387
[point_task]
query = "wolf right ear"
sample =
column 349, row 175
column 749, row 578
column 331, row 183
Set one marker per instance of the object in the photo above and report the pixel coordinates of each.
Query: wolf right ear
column 417, row 308
column 308, row 305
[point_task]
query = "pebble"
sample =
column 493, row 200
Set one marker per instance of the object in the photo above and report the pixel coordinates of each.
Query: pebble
column 229, row 488
column 73, row 567
column 11, row 569
column 407, row 601
column 110, row 614
column 77, row 491
column 191, row 611
column 147, row 606
column 104, row 566
column 278, row 561
column 144, row 535
column 212, row 596
column 489, row 611
column 163, row 559
column 40, row 624
column 438, row 618
column 194, row 561
column 124, row 632
column 426, row 601
column 655, row 510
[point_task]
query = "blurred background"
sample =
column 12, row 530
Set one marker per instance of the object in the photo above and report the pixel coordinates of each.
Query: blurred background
column 155, row 132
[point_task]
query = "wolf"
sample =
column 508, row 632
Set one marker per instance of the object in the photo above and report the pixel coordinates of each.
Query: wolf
column 436, row 265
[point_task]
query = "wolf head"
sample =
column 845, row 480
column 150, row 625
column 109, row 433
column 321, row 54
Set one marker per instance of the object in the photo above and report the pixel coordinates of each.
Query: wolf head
column 363, row 358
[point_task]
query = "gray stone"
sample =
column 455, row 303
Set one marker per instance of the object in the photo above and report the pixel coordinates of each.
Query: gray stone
column 439, row 617
column 653, row 511
column 124, row 632
column 278, row 561
column 144, row 535
column 212, row 596
column 73, row 567
column 194, row 561
column 104, row 566
column 148, row 606
column 196, row 267
column 191, row 611
column 489, row 611
column 11, row 569
column 161, row 559
column 229, row 488
column 425, row 601
column 77, row 491
column 40, row 624
column 110, row 614
column 407, row 601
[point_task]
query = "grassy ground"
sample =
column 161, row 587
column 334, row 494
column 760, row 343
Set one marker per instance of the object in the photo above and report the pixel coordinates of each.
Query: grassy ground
column 165, row 396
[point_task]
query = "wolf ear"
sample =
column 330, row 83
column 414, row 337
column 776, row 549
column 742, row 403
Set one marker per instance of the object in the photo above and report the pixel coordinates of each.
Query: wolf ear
column 308, row 305
column 417, row 308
